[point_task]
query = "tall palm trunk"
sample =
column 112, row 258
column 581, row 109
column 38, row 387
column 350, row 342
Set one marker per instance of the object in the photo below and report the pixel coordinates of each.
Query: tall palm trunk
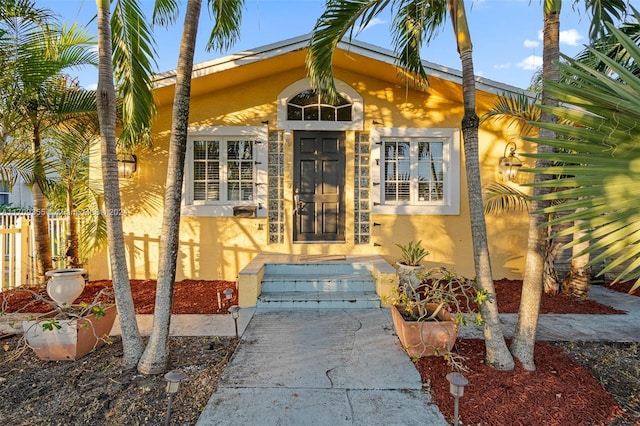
column 497, row 353
column 72, row 253
column 525, row 330
column 156, row 355
column 577, row 280
column 42, row 239
column 106, row 102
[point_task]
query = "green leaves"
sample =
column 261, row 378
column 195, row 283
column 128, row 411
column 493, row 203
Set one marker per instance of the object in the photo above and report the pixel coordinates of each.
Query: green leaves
column 597, row 176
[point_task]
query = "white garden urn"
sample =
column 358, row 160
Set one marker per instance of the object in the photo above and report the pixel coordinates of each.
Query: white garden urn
column 65, row 285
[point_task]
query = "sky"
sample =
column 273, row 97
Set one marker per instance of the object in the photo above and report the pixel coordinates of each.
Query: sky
column 506, row 34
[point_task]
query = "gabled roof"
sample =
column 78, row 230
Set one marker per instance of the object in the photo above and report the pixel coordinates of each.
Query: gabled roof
column 353, row 46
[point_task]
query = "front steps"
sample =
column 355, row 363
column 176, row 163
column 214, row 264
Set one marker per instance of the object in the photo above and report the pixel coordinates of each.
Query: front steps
column 318, row 285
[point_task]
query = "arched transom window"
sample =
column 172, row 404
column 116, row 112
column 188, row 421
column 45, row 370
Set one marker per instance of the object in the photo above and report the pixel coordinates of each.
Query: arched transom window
column 308, row 105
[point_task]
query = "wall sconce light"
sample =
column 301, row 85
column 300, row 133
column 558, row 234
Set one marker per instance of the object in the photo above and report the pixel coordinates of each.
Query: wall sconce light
column 127, row 165
column 509, row 164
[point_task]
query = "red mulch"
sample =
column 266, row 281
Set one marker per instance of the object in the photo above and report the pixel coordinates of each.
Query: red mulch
column 190, row 297
column 625, row 287
column 559, row 392
column 508, row 295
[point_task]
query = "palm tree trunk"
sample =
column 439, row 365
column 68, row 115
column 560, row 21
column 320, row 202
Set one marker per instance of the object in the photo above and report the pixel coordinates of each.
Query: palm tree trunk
column 576, row 282
column 42, row 239
column 497, row 353
column 156, row 355
column 525, row 330
column 72, row 256
column 106, row 101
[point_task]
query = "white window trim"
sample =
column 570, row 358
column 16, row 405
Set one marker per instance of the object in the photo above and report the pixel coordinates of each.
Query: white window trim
column 451, row 159
column 256, row 133
column 357, row 115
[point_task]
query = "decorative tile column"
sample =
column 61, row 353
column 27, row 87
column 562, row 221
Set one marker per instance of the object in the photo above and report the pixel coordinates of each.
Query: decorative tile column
column 362, row 196
column 275, row 200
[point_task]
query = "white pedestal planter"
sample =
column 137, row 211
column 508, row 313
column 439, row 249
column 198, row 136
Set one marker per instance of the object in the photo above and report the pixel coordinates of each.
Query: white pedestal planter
column 65, row 285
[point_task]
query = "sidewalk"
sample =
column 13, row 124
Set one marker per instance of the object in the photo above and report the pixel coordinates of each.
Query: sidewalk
column 347, row 367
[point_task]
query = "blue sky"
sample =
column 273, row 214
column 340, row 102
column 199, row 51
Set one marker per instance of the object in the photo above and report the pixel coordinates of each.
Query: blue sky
column 506, row 34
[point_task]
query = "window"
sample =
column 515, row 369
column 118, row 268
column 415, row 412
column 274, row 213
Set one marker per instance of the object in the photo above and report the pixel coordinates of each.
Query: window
column 413, row 185
column 213, row 160
column 308, row 106
column 416, row 171
column 224, row 168
column 4, row 193
column 301, row 108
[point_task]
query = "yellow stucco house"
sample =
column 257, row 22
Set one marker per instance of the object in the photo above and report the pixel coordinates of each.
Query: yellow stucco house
column 271, row 170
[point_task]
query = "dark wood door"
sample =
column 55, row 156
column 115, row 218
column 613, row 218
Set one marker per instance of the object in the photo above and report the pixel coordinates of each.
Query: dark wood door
column 319, row 164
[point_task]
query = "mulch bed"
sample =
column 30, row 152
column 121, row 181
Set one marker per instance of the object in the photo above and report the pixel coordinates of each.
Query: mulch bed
column 521, row 397
column 190, row 297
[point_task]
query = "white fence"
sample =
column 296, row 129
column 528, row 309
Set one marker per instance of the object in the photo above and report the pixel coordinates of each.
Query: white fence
column 17, row 242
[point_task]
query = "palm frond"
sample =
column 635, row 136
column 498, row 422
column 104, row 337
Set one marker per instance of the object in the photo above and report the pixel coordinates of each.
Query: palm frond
column 517, row 108
column 500, row 198
column 227, row 17
column 597, row 174
column 133, row 59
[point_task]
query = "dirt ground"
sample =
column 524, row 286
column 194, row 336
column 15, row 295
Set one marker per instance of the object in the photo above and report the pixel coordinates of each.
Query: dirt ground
column 576, row 383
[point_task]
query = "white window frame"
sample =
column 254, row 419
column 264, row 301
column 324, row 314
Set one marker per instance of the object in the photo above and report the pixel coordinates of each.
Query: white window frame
column 259, row 134
column 357, row 111
column 450, row 204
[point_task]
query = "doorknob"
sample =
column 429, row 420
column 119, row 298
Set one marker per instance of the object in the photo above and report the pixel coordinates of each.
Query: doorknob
column 299, row 205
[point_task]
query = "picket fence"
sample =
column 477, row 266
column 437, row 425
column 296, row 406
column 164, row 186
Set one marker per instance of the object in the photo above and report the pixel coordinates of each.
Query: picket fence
column 17, row 242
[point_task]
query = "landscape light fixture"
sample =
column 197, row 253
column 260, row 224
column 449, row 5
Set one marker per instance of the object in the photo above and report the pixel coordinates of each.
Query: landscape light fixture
column 173, row 378
column 457, row 382
column 228, row 294
column 509, row 164
column 235, row 313
column 127, row 165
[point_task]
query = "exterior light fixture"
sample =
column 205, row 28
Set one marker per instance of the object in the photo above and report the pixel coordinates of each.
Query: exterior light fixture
column 509, row 163
column 457, row 382
column 235, row 313
column 173, row 378
column 127, row 165
column 228, row 294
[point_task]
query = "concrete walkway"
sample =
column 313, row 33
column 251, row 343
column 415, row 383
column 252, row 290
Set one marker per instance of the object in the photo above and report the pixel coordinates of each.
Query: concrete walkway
column 346, row 367
column 330, row 367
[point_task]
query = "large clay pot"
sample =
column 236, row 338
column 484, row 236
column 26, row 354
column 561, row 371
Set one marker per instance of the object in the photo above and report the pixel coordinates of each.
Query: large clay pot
column 74, row 339
column 65, row 285
column 426, row 338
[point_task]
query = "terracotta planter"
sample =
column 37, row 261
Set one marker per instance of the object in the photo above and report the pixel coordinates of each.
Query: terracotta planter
column 425, row 338
column 75, row 338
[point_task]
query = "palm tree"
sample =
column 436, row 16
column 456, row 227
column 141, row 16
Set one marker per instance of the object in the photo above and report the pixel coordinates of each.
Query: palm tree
column 132, row 59
column 36, row 53
column 228, row 15
column 597, row 178
column 522, row 346
column 416, row 21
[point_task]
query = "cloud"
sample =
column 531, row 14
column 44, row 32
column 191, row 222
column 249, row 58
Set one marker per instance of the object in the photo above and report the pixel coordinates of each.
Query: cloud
column 531, row 44
column 502, row 66
column 530, row 63
column 373, row 23
column 570, row 37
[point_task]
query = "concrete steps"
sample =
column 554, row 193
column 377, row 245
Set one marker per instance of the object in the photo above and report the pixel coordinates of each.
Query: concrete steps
column 318, row 285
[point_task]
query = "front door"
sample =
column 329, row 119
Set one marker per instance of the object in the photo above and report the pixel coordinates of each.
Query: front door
column 318, row 186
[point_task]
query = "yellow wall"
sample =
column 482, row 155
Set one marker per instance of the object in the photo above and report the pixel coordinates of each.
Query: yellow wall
column 217, row 248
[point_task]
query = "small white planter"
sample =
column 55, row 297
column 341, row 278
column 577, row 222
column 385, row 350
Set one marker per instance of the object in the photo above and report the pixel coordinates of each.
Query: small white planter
column 65, row 285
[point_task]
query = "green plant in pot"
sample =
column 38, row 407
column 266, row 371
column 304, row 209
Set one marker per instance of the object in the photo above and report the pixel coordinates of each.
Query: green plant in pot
column 427, row 314
column 409, row 265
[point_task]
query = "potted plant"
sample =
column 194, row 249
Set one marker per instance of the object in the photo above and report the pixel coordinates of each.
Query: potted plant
column 409, row 265
column 69, row 331
column 427, row 315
